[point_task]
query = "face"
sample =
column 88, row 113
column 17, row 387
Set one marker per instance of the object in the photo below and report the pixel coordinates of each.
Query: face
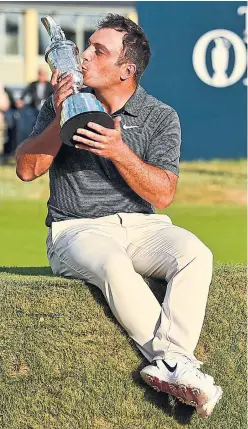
column 100, row 58
column 42, row 76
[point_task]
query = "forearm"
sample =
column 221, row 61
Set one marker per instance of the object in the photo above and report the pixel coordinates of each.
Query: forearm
column 35, row 155
column 149, row 182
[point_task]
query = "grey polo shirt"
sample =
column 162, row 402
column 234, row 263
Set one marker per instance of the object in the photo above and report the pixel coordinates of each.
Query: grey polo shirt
column 84, row 185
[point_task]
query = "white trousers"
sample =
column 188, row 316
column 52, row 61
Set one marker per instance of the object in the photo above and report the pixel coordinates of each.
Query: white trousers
column 114, row 252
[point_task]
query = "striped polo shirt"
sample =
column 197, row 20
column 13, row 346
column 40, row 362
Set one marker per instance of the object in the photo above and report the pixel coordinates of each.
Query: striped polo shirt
column 85, row 185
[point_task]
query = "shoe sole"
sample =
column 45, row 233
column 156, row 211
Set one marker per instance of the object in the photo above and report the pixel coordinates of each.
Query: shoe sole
column 205, row 411
column 187, row 394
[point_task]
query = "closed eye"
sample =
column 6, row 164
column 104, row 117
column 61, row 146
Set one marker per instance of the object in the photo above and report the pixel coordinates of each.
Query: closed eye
column 99, row 52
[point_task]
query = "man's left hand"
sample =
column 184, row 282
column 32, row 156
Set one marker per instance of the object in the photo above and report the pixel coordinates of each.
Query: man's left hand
column 102, row 141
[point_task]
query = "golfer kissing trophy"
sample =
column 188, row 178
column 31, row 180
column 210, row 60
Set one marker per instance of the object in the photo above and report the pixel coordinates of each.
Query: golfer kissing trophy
column 81, row 107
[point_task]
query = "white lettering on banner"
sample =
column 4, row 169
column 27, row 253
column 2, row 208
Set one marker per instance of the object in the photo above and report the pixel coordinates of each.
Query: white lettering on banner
column 243, row 10
column 220, row 54
column 220, row 57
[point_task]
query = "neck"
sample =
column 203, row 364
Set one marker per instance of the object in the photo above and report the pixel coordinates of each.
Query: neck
column 113, row 98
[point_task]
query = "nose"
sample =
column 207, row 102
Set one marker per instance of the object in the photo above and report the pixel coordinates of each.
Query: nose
column 86, row 55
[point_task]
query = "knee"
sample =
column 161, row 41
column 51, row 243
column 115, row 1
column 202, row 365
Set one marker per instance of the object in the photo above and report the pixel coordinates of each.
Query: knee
column 196, row 249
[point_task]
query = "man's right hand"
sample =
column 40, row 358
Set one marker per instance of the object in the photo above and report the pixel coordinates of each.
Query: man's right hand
column 62, row 89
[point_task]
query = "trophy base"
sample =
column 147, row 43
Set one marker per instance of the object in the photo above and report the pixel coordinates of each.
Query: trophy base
column 80, row 121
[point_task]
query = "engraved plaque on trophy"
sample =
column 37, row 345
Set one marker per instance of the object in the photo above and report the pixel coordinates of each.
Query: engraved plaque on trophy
column 81, row 107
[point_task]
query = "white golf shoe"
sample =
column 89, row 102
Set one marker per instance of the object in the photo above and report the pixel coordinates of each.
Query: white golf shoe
column 180, row 376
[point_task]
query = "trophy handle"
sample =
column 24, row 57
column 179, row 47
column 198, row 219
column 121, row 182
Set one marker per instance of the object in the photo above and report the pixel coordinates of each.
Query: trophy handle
column 55, row 32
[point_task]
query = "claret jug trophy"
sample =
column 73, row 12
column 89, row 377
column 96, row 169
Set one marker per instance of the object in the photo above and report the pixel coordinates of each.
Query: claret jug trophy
column 81, row 107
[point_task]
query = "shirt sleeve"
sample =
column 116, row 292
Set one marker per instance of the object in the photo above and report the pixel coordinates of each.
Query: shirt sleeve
column 164, row 147
column 44, row 119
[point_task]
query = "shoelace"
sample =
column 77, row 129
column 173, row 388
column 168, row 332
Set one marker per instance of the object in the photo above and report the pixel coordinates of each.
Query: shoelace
column 182, row 357
column 191, row 364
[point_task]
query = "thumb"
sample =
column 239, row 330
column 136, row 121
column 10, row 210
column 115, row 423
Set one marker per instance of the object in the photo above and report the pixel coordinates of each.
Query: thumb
column 55, row 77
column 117, row 123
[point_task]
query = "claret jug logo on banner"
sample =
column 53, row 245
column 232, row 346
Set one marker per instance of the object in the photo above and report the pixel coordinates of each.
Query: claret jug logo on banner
column 220, row 55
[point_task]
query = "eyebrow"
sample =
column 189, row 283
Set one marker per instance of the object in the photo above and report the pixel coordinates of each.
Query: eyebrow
column 100, row 46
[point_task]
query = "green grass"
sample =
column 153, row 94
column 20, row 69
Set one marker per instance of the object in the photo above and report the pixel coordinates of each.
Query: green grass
column 222, row 228
column 23, row 234
column 66, row 364
column 201, row 183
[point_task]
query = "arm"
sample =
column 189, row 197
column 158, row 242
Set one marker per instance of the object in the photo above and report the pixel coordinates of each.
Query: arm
column 151, row 183
column 35, row 155
column 153, row 179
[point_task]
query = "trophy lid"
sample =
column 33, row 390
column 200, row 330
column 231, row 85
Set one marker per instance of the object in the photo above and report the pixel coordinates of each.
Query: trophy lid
column 54, row 30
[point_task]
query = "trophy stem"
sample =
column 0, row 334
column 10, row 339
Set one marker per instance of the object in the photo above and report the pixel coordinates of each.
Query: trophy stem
column 55, row 31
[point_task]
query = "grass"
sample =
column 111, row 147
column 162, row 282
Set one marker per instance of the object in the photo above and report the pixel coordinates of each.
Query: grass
column 222, row 228
column 210, row 201
column 200, row 183
column 65, row 363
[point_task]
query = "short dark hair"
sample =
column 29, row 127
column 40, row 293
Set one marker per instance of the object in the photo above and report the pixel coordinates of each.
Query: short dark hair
column 136, row 46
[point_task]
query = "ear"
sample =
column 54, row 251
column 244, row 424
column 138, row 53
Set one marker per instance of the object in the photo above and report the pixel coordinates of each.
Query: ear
column 128, row 71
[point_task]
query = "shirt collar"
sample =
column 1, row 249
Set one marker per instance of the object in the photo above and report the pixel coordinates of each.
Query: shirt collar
column 135, row 102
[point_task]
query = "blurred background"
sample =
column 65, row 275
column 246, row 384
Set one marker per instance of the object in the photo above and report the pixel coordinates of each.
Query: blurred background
column 198, row 66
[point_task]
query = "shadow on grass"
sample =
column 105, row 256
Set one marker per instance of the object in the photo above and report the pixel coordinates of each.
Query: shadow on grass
column 158, row 287
column 168, row 404
column 27, row 271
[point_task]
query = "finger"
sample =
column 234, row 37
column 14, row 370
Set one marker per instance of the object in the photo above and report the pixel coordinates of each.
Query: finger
column 61, row 97
column 91, row 135
column 87, row 142
column 64, row 91
column 64, row 83
column 117, row 123
column 99, row 128
column 88, row 148
column 55, row 76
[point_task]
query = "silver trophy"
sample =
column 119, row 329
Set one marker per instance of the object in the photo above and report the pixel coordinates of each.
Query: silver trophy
column 80, row 107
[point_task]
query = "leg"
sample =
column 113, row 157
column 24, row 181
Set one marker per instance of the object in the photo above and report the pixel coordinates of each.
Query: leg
column 166, row 251
column 103, row 261
column 176, row 255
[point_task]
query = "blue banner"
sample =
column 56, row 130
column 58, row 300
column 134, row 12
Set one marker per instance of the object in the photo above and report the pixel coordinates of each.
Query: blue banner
column 199, row 66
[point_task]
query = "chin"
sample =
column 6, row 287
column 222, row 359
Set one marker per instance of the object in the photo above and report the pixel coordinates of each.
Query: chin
column 88, row 82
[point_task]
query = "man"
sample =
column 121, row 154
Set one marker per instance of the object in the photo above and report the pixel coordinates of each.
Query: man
column 36, row 92
column 30, row 103
column 102, row 225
